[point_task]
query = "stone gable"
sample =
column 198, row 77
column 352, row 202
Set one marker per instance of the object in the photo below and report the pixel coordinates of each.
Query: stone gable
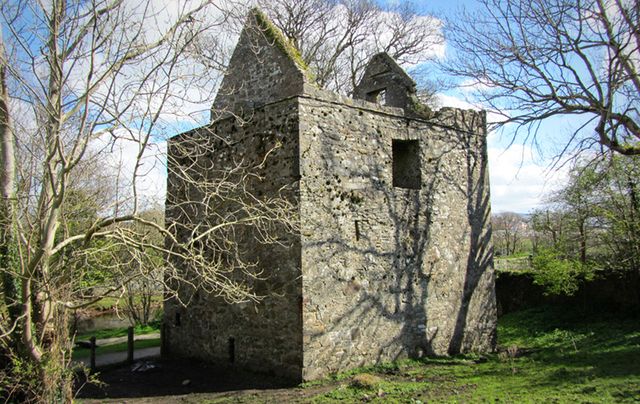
column 264, row 68
column 385, row 83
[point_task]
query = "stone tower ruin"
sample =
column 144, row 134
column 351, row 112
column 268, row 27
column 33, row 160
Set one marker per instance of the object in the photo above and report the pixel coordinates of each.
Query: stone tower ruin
column 392, row 255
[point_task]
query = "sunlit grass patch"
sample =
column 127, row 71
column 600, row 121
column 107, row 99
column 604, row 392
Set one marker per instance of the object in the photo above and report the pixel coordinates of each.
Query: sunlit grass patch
column 545, row 355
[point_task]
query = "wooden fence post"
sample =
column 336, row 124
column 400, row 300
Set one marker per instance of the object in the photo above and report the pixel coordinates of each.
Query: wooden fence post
column 163, row 340
column 92, row 354
column 130, row 345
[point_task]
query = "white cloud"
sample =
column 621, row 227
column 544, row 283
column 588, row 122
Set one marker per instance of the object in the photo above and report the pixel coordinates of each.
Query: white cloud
column 445, row 100
column 519, row 182
column 121, row 158
column 391, row 19
column 470, row 86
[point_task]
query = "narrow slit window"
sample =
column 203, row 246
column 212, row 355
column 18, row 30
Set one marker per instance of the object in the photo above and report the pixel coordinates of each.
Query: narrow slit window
column 178, row 323
column 232, row 350
column 357, row 225
column 406, row 163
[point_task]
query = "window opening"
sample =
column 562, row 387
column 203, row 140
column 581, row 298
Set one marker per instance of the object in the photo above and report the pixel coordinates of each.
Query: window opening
column 406, row 163
column 378, row 96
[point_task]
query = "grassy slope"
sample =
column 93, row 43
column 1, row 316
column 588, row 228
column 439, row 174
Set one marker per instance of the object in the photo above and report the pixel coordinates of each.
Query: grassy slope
column 546, row 355
column 555, row 356
column 118, row 332
column 80, row 353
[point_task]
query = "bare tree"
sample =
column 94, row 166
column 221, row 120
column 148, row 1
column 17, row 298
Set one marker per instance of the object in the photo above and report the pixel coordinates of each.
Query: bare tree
column 338, row 37
column 550, row 228
column 508, row 229
column 594, row 217
column 533, row 60
column 78, row 78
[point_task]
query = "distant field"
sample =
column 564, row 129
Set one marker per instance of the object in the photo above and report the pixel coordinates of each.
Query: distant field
column 109, row 303
column 119, row 332
column 79, row 353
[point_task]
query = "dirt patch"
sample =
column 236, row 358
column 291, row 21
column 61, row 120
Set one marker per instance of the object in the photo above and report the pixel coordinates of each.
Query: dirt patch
column 173, row 381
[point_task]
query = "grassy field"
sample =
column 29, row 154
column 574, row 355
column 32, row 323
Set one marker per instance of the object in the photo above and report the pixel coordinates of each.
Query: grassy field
column 109, row 303
column 79, row 353
column 546, row 355
column 119, row 332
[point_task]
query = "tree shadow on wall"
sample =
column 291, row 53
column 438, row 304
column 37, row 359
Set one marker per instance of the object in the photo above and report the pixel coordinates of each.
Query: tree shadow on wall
column 398, row 295
column 480, row 257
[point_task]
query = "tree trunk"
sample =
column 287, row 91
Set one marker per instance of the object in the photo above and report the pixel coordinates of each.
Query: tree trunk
column 7, row 199
column 634, row 225
column 583, row 241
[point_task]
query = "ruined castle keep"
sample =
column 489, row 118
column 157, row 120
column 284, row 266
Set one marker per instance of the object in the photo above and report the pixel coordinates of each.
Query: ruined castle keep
column 391, row 256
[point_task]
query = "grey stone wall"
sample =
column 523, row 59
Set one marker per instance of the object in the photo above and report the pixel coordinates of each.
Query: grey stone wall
column 390, row 272
column 377, row 272
column 262, row 69
column 264, row 336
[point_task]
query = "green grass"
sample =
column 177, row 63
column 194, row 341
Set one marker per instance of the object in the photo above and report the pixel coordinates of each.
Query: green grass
column 519, row 254
column 554, row 356
column 80, row 353
column 119, row 332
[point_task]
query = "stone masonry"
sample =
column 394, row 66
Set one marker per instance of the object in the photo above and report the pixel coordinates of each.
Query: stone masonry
column 392, row 256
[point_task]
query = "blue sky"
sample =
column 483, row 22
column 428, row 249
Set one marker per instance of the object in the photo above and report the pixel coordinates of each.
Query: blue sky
column 521, row 174
column 443, row 6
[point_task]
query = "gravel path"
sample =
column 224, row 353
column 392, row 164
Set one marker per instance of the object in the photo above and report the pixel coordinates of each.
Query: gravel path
column 119, row 357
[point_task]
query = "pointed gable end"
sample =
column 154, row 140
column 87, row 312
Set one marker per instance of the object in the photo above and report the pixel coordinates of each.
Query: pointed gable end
column 265, row 67
column 386, row 83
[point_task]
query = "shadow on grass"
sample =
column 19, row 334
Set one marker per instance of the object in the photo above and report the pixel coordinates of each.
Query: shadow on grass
column 176, row 377
column 575, row 346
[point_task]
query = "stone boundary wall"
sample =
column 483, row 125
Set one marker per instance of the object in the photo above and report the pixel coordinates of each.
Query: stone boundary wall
column 610, row 291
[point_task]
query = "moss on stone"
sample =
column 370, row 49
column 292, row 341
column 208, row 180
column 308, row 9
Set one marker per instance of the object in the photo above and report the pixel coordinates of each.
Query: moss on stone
column 419, row 109
column 366, row 381
column 273, row 33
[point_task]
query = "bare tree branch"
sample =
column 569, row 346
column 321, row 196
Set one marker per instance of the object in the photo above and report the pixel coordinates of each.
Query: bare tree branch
column 532, row 60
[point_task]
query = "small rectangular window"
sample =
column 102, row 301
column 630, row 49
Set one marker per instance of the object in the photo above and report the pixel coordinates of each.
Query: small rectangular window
column 378, row 96
column 406, row 163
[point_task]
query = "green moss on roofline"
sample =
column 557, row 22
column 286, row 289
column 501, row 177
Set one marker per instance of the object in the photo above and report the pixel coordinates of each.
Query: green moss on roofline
column 283, row 43
column 419, row 109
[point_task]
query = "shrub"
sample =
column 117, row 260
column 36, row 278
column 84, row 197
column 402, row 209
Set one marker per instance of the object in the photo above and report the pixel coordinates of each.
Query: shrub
column 559, row 275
